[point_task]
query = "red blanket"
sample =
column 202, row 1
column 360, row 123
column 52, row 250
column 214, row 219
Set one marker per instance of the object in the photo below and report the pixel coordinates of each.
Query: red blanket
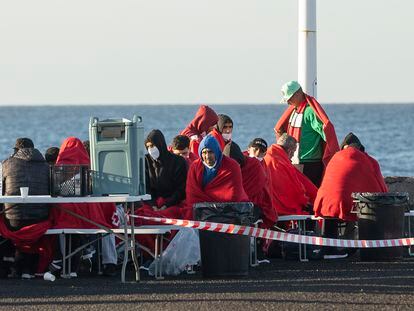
column 226, row 186
column 290, row 189
column 203, row 120
column 331, row 146
column 72, row 151
column 350, row 170
column 217, row 135
column 31, row 239
column 257, row 189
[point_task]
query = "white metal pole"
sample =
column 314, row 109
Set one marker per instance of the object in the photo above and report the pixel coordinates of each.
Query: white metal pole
column 307, row 76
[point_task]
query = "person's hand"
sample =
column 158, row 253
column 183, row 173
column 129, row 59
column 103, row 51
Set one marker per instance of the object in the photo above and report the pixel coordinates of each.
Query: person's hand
column 155, row 208
column 163, row 208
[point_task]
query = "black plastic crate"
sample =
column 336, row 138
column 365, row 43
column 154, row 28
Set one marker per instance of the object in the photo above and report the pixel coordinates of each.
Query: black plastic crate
column 70, row 180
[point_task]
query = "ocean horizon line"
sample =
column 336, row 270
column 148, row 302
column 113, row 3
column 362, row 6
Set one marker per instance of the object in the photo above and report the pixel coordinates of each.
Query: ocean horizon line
column 22, row 105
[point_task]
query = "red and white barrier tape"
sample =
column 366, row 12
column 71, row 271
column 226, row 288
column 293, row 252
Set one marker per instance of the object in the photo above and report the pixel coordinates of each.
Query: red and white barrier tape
column 279, row 236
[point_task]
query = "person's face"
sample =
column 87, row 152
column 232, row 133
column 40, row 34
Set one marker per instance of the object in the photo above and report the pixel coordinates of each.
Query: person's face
column 256, row 153
column 149, row 145
column 208, row 156
column 227, row 128
column 296, row 99
column 183, row 153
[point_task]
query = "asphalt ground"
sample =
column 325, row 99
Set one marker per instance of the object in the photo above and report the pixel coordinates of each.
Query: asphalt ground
column 317, row 285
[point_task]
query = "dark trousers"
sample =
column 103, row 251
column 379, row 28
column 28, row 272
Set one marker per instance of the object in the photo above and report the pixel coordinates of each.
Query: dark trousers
column 314, row 171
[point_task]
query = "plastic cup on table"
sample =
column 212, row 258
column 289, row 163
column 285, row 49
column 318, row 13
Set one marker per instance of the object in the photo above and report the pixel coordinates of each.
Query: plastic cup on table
column 24, row 192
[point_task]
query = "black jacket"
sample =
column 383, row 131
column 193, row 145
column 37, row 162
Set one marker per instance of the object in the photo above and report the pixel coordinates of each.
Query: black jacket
column 165, row 177
column 26, row 168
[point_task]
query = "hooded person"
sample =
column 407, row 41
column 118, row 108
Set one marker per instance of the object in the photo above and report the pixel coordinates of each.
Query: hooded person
column 213, row 177
column 72, row 152
column 166, row 176
column 292, row 192
column 254, row 183
column 308, row 123
column 165, row 172
column 350, row 170
column 200, row 126
column 223, row 130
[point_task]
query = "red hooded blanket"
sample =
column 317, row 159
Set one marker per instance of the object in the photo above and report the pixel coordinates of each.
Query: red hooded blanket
column 226, row 186
column 73, row 152
column 350, row 170
column 291, row 190
column 257, row 189
column 331, row 146
column 203, row 120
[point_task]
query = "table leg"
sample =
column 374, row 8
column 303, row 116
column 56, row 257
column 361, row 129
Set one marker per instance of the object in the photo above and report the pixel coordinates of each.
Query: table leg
column 70, row 258
column 126, row 244
column 133, row 248
column 99, row 251
column 64, row 275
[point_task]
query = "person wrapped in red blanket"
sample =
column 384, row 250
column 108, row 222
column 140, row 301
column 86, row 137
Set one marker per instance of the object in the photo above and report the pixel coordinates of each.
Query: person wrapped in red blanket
column 73, row 152
column 213, row 178
column 292, row 192
column 254, row 183
column 200, row 126
column 350, row 170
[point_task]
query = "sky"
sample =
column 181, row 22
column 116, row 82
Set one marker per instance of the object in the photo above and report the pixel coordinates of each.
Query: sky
column 200, row 51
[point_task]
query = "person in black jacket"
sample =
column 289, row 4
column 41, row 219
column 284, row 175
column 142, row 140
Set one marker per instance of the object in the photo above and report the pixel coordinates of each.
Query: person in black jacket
column 166, row 173
column 25, row 168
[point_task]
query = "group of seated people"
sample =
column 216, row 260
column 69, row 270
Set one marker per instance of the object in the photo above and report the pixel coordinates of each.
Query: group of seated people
column 217, row 170
column 202, row 164
column 24, row 249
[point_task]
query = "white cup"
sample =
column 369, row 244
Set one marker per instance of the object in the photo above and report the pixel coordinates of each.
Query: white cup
column 49, row 277
column 24, row 192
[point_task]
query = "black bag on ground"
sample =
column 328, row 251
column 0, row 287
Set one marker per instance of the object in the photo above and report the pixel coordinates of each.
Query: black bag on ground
column 381, row 217
column 224, row 254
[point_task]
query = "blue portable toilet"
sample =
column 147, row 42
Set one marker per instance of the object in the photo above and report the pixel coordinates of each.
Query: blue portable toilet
column 117, row 156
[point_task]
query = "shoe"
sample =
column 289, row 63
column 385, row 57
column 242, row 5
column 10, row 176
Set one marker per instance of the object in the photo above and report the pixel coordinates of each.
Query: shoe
column 27, row 276
column 334, row 253
column 109, row 269
column 55, row 266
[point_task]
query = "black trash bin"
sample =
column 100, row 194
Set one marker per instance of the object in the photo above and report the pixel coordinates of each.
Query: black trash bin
column 381, row 217
column 224, row 254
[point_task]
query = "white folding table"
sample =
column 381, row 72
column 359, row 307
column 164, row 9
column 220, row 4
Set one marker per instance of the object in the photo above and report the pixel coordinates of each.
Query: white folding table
column 129, row 235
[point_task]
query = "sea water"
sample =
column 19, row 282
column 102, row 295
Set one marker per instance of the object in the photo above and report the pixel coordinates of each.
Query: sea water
column 386, row 130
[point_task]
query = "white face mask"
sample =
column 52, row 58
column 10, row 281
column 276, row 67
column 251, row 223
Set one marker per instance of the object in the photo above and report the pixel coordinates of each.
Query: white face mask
column 209, row 165
column 154, row 152
column 226, row 136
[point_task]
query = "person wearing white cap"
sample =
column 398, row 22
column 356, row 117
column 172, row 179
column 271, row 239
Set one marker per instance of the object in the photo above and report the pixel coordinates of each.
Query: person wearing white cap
column 308, row 123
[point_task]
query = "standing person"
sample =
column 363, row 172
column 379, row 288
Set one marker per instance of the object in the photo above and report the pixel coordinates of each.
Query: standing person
column 25, row 168
column 200, row 126
column 223, row 130
column 308, row 123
